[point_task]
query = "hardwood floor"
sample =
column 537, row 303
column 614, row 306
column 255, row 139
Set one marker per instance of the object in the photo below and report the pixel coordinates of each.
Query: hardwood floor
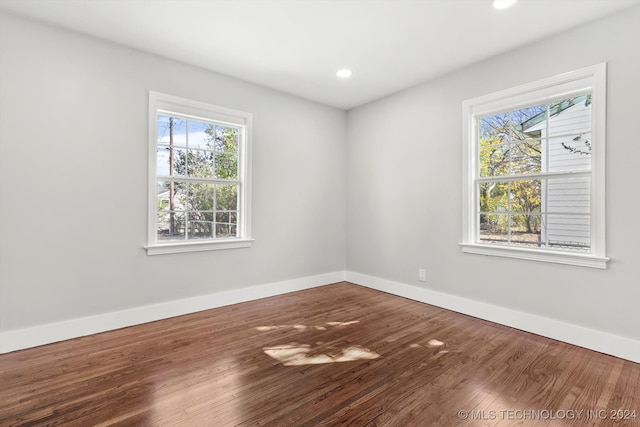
column 334, row 355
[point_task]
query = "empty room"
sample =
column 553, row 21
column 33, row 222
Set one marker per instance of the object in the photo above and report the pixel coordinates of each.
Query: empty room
column 319, row 212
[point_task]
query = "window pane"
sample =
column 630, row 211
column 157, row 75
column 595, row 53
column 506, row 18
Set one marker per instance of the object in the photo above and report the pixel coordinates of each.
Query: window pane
column 180, row 199
column 226, row 231
column 494, row 160
column 569, row 195
column 170, row 210
column 525, row 196
column 172, row 227
column 515, row 230
column 226, row 224
column 165, row 202
column 200, row 197
column 494, row 228
column 226, row 165
column 222, row 217
column 179, row 161
column 167, row 126
column 494, row 129
column 162, row 161
column 199, row 164
column 200, row 230
column 162, row 195
column 528, row 122
column 163, row 228
column 526, row 157
column 526, row 230
column 569, row 232
column 162, row 129
column 199, row 136
column 225, row 139
column 570, row 116
column 517, row 196
column 200, row 216
column 227, row 197
column 494, row 196
column 571, row 152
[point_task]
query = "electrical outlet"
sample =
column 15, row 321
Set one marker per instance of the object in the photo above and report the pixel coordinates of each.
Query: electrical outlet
column 422, row 275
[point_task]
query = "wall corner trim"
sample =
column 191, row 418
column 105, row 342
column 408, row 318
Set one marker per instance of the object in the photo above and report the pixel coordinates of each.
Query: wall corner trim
column 591, row 339
column 59, row 331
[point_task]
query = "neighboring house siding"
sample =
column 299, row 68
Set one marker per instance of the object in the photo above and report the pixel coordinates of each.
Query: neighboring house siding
column 567, row 200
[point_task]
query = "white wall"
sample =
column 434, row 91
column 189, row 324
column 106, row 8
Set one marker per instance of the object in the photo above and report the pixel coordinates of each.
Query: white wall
column 404, row 186
column 73, row 181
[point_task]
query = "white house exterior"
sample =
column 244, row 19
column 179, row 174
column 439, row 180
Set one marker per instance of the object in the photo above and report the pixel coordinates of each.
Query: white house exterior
column 566, row 145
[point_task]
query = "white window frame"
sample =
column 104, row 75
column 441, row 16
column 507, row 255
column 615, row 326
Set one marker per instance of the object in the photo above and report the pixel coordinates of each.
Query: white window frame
column 591, row 79
column 168, row 104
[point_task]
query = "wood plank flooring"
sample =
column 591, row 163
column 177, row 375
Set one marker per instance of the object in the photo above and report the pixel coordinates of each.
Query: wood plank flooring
column 337, row 355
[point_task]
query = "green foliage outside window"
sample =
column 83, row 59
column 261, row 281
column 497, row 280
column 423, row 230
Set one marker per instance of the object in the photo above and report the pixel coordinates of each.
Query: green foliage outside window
column 203, row 209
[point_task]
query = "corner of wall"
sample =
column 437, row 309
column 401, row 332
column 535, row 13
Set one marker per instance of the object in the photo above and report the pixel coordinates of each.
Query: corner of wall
column 74, row 328
column 591, row 339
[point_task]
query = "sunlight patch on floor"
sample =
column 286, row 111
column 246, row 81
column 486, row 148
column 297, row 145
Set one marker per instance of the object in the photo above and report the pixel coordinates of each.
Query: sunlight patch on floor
column 304, row 354
column 343, row 323
column 432, row 343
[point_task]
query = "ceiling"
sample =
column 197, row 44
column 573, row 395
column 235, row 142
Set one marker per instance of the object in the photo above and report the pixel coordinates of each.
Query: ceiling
column 296, row 46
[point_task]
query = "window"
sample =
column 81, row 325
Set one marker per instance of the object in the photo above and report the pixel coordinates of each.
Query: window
column 199, row 186
column 534, row 171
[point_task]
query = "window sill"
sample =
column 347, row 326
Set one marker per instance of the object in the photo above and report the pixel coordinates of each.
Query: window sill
column 175, row 248
column 581, row 260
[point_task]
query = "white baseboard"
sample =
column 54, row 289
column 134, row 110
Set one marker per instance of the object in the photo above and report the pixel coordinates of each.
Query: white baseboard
column 60, row 331
column 602, row 342
column 614, row 345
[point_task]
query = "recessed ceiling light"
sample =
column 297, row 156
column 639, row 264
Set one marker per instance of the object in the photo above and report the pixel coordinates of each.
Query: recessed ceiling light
column 503, row 4
column 344, row 73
